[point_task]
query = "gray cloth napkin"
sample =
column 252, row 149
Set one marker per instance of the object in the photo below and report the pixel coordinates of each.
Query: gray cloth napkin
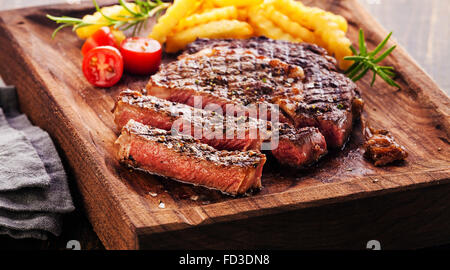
column 33, row 185
column 18, row 234
column 29, row 224
column 14, row 147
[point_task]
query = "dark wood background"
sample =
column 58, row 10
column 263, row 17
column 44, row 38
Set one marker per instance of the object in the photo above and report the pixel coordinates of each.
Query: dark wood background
column 421, row 27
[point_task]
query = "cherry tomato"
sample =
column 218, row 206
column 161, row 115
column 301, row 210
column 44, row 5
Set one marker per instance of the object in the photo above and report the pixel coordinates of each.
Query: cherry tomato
column 141, row 55
column 103, row 66
column 102, row 37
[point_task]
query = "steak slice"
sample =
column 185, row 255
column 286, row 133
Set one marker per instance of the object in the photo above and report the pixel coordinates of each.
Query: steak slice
column 293, row 147
column 299, row 147
column 185, row 159
column 223, row 133
column 327, row 98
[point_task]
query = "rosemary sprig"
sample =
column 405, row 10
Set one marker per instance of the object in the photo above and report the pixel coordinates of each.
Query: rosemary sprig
column 136, row 19
column 365, row 61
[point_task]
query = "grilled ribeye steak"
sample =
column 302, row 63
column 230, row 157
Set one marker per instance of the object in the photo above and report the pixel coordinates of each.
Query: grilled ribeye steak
column 185, row 159
column 294, row 147
column 327, row 97
column 238, row 80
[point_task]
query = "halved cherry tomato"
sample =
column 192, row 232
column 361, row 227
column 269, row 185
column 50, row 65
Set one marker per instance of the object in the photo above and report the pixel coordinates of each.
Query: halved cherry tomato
column 103, row 66
column 101, row 37
column 141, row 55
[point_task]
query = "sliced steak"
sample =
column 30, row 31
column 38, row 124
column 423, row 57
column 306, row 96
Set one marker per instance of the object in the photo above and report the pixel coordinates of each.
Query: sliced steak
column 185, row 159
column 223, row 133
column 326, row 100
column 293, row 147
column 299, row 147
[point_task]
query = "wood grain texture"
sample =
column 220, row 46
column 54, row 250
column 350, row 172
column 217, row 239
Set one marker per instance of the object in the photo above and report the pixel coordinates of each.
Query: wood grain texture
column 56, row 97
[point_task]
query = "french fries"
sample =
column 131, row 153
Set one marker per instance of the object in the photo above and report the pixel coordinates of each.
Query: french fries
column 197, row 8
column 328, row 28
column 179, row 9
column 242, row 14
column 287, row 25
column 215, row 29
column 236, row 3
column 310, row 17
column 206, row 5
column 265, row 27
column 317, row 12
column 216, row 14
column 287, row 20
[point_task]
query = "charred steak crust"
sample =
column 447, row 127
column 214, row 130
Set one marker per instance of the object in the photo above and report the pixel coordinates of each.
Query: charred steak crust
column 185, row 159
column 327, row 97
column 296, row 147
column 230, row 78
column 306, row 55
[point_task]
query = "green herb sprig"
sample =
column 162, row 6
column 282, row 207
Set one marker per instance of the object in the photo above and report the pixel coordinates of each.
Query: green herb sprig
column 136, row 19
column 365, row 61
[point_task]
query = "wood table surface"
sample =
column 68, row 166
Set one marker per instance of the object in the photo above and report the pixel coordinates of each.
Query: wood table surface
column 422, row 27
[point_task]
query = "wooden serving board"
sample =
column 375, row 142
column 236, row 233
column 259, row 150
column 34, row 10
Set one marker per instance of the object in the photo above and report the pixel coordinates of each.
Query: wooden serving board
column 341, row 202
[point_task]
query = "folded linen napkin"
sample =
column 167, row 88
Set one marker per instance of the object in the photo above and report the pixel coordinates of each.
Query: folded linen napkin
column 15, row 151
column 33, row 185
column 27, row 223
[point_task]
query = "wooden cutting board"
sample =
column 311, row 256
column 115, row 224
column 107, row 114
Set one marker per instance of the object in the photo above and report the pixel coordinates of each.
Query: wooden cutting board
column 341, row 202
